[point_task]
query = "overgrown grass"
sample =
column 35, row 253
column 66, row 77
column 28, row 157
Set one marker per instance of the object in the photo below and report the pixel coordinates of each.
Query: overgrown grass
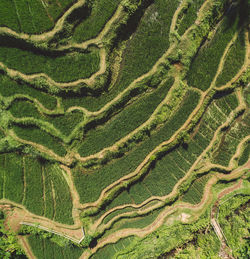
column 101, row 12
column 9, row 87
column 125, row 122
column 34, row 134
column 205, row 64
column 62, row 68
column 234, row 60
column 34, row 186
column 120, row 167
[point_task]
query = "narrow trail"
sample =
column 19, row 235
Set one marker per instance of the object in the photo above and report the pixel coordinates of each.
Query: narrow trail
column 197, row 208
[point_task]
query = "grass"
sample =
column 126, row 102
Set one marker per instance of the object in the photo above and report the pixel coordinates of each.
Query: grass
column 234, row 60
column 120, row 167
column 14, row 177
column 34, row 134
column 189, row 16
column 61, row 68
column 9, row 87
column 125, row 122
column 101, row 12
column 205, row 64
column 34, row 186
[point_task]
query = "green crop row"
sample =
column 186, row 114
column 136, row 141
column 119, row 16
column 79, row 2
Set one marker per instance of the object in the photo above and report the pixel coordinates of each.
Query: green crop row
column 34, row 193
column 101, row 12
column 45, row 248
column 195, row 191
column 65, row 122
column 128, row 163
column 110, row 250
column 234, row 60
column 148, row 43
column 12, row 177
column 125, row 122
column 9, row 87
column 205, row 64
column 61, row 68
column 231, row 140
column 62, row 196
column 34, row 134
column 245, row 155
column 31, row 16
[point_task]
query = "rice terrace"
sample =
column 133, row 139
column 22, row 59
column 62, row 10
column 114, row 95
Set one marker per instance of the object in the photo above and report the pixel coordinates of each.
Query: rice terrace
column 124, row 129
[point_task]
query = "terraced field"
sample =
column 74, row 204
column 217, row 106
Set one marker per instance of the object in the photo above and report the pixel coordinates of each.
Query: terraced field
column 124, row 128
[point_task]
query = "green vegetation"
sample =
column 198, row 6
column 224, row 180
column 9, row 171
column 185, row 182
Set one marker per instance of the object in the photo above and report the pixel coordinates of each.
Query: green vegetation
column 148, row 43
column 10, row 88
column 60, row 67
column 45, row 248
column 33, row 134
column 101, row 12
column 9, row 247
column 34, row 200
column 234, row 60
column 132, row 148
column 31, row 16
column 189, row 15
column 196, row 191
column 128, row 163
column 205, row 64
column 124, row 123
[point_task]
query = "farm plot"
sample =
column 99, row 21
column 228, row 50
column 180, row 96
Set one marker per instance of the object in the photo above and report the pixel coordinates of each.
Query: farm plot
column 61, row 67
column 189, row 16
column 141, row 52
column 44, row 248
column 234, row 60
column 64, row 122
column 195, row 191
column 120, row 167
column 126, row 121
column 205, row 64
column 9, row 88
column 36, row 135
column 101, row 12
column 33, row 17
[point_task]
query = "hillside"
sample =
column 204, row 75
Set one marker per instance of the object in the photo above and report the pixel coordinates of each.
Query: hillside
column 124, row 129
